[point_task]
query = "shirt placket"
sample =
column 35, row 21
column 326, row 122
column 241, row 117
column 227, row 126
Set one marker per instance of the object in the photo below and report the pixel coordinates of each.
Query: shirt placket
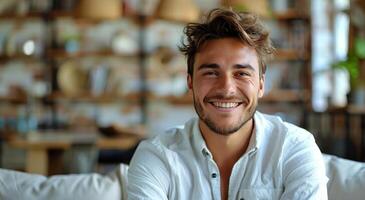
column 214, row 175
column 238, row 175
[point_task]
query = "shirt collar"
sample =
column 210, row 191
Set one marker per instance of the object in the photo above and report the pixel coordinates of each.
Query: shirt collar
column 198, row 140
column 258, row 131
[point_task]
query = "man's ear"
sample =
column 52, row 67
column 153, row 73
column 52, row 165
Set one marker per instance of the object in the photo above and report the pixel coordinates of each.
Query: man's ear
column 189, row 81
column 262, row 86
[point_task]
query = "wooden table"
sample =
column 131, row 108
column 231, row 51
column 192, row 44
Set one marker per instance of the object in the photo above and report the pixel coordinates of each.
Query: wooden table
column 44, row 150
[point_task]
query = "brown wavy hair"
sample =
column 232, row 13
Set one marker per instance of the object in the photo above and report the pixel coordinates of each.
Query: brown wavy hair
column 225, row 23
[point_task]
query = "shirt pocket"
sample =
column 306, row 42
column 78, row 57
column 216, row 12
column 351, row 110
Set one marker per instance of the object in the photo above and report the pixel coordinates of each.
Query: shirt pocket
column 260, row 194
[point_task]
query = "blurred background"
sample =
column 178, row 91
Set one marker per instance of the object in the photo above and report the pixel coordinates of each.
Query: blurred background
column 83, row 81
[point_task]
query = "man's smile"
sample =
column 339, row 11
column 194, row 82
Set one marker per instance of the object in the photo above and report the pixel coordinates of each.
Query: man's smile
column 225, row 105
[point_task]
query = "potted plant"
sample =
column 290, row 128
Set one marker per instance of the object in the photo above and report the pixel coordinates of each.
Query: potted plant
column 355, row 66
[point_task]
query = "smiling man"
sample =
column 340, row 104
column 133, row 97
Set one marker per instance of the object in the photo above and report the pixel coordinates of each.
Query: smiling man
column 231, row 151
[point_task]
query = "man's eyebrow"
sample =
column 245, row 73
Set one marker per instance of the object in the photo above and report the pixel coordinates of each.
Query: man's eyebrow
column 208, row 66
column 236, row 66
column 244, row 66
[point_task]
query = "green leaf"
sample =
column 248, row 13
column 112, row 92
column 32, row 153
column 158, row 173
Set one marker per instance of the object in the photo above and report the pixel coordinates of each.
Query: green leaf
column 360, row 47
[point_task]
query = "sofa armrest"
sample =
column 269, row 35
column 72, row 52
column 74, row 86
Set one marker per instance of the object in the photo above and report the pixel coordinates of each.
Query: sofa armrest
column 346, row 178
column 18, row 185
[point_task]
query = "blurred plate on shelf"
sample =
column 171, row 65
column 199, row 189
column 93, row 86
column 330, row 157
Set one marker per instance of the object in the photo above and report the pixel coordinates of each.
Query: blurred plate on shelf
column 72, row 79
column 123, row 43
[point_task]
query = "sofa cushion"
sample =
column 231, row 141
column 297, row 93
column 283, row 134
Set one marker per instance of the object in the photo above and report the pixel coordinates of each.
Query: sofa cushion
column 346, row 178
column 17, row 185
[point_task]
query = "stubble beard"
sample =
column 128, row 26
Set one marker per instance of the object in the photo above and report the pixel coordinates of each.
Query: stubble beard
column 223, row 130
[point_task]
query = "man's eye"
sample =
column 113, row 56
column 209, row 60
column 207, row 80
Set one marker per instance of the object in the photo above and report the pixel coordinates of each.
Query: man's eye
column 210, row 73
column 242, row 74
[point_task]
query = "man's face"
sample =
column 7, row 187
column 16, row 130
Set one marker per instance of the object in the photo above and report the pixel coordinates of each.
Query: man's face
column 226, row 84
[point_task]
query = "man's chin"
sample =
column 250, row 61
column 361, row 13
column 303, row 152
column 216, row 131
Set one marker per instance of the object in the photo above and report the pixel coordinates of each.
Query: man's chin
column 226, row 126
column 223, row 129
column 226, row 131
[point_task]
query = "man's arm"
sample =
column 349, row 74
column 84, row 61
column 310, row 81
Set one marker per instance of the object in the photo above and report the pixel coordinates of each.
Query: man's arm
column 148, row 174
column 304, row 172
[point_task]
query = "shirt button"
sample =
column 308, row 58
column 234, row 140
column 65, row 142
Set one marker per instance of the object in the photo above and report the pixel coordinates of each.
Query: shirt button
column 214, row 175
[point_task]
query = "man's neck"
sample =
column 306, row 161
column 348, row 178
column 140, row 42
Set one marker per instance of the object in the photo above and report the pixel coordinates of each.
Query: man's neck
column 227, row 148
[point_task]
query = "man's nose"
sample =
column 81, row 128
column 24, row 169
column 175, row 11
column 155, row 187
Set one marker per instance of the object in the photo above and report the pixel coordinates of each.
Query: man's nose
column 226, row 84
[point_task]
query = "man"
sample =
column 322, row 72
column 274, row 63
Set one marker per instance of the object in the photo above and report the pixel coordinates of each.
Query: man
column 232, row 151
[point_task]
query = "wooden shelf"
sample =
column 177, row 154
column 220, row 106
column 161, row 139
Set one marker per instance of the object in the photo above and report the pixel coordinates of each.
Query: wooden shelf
column 62, row 54
column 19, row 17
column 14, row 100
column 5, row 58
column 186, row 99
column 182, row 100
column 290, row 54
column 355, row 109
column 290, row 15
column 283, row 95
column 58, row 14
column 105, row 98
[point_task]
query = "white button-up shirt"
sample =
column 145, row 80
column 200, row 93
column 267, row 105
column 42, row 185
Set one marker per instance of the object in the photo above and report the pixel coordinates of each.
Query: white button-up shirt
column 282, row 162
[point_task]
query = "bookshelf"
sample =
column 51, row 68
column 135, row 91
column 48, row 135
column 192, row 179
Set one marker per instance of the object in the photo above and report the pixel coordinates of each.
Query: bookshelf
column 288, row 79
column 290, row 87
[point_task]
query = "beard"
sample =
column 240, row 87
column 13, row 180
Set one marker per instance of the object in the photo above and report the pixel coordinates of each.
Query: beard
column 223, row 130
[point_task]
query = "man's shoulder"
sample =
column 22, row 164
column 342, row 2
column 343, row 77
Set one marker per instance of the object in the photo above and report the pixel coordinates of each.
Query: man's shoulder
column 278, row 127
column 280, row 139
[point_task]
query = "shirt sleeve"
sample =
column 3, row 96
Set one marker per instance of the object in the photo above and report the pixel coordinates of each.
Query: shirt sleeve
column 303, row 170
column 148, row 176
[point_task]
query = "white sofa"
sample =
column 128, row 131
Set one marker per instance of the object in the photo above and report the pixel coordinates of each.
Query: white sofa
column 20, row 186
column 346, row 178
column 346, row 181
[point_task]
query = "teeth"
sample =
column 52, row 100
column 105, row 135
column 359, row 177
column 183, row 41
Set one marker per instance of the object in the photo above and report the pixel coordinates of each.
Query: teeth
column 225, row 104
